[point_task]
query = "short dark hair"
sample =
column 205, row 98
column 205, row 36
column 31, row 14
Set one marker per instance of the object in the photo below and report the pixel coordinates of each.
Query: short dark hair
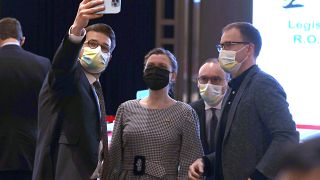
column 249, row 34
column 161, row 51
column 303, row 158
column 106, row 30
column 10, row 28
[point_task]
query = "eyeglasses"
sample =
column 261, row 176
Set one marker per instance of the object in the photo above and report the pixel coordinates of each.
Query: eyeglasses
column 213, row 79
column 94, row 44
column 227, row 45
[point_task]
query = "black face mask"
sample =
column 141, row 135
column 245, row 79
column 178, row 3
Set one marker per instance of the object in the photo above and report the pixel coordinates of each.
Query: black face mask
column 156, row 78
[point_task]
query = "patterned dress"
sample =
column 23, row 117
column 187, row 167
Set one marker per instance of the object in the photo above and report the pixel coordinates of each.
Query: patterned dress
column 167, row 138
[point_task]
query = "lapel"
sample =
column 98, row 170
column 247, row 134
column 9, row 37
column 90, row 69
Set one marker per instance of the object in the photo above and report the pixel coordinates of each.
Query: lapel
column 199, row 107
column 224, row 101
column 91, row 89
column 237, row 99
column 95, row 96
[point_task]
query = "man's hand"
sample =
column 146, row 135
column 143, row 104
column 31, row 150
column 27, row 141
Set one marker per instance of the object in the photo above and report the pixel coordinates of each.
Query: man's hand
column 87, row 11
column 196, row 169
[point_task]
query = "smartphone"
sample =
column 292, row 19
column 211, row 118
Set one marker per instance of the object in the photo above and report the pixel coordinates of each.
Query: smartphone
column 111, row 7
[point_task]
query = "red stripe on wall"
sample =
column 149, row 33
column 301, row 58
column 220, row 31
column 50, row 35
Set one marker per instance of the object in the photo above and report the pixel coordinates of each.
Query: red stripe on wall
column 111, row 118
column 305, row 126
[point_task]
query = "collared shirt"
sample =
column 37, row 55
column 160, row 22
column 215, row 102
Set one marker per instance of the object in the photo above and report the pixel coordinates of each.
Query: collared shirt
column 207, row 106
column 11, row 43
column 90, row 78
column 235, row 83
column 75, row 38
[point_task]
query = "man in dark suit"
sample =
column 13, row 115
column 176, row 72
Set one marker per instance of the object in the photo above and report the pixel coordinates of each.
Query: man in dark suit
column 212, row 84
column 256, row 124
column 71, row 105
column 21, row 77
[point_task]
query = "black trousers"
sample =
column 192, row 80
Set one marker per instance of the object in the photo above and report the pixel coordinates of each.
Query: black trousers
column 15, row 175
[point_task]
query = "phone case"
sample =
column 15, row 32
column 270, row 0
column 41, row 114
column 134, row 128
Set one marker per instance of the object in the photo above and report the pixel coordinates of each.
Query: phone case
column 111, row 7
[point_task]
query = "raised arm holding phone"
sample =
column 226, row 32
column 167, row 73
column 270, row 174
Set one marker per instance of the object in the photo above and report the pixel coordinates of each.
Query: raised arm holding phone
column 71, row 142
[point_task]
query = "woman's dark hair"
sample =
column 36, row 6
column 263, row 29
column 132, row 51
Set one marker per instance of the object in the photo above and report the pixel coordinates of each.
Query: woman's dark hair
column 159, row 51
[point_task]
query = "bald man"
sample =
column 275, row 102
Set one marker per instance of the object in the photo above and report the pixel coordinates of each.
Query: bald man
column 212, row 84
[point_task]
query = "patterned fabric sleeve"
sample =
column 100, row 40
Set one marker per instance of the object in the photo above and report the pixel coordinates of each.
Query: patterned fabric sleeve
column 115, row 152
column 191, row 148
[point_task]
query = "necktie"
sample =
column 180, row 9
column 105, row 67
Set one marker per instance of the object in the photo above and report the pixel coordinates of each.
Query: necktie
column 103, row 125
column 213, row 126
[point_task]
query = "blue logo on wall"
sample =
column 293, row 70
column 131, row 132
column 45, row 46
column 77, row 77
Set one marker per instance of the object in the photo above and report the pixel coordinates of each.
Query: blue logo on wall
column 292, row 4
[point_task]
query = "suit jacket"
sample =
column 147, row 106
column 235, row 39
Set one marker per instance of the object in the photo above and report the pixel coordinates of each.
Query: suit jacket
column 21, row 77
column 69, row 129
column 258, row 128
column 199, row 107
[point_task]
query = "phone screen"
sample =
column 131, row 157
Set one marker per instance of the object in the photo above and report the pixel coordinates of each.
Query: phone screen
column 111, row 7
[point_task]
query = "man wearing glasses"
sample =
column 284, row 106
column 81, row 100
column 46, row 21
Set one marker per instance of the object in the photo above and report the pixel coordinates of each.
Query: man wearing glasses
column 256, row 124
column 72, row 139
column 212, row 84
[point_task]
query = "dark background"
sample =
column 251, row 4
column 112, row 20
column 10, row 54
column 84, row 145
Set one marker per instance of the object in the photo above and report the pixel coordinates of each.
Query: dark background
column 45, row 22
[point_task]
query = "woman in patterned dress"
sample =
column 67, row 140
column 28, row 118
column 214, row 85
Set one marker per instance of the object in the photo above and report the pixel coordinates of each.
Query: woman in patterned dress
column 156, row 137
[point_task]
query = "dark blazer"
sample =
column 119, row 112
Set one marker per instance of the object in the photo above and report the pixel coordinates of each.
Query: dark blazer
column 67, row 145
column 21, row 77
column 199, row 107
column 258, row 129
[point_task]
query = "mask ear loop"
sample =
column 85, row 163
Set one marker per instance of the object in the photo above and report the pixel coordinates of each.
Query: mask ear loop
column 242, row 48
column 244, row 59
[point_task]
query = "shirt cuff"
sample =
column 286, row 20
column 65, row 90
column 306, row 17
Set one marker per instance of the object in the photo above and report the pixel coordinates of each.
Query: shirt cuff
column 74, row 38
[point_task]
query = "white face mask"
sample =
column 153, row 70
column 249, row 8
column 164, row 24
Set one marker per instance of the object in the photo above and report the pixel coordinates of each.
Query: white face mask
column 227, row 61
column 94, row 60
column 211, row 94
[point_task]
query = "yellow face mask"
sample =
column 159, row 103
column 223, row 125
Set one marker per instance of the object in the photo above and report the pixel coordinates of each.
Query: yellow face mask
column 94, row 60
column 211, row 94
column 227, row 60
